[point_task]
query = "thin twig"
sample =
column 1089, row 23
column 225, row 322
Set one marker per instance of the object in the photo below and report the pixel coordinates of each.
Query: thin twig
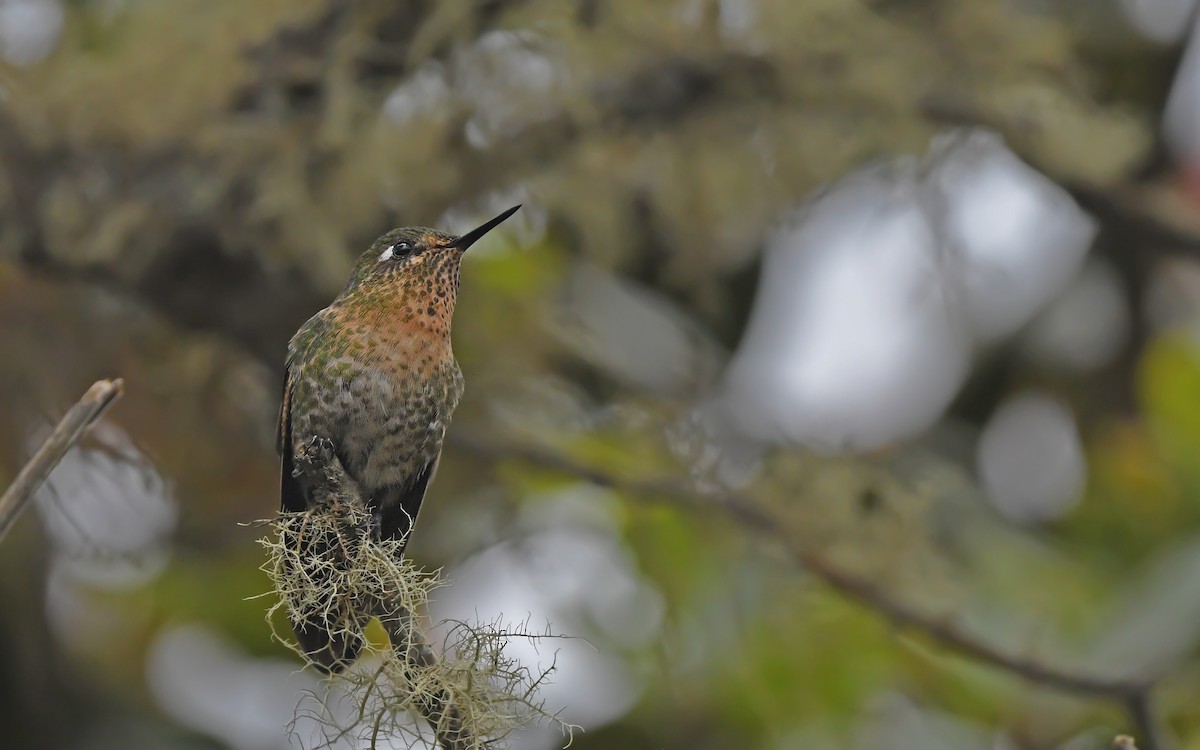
column 1142, row 713
column 438, row 708
column 1134, row 695
column 69, row 430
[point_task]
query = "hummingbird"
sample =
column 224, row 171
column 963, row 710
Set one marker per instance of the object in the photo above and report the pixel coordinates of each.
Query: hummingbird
column 374, row 375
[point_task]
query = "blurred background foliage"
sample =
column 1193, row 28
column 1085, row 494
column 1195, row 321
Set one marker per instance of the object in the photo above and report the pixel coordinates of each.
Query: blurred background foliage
column 966, row 372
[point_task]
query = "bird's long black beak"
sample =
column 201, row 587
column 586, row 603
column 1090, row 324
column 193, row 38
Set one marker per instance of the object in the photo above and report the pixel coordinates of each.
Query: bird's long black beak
column 470, row 238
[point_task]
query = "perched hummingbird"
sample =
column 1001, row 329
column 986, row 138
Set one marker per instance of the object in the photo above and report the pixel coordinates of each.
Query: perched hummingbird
column 375, row 375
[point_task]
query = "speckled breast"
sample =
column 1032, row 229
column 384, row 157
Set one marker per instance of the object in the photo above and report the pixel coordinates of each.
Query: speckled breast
column 387, row 422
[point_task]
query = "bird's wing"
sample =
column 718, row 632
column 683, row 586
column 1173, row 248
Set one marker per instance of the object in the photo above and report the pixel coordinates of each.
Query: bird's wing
column 291, row 495
column 399, row 504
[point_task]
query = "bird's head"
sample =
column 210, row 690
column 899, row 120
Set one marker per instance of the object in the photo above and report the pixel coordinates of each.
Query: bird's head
column 417, row 257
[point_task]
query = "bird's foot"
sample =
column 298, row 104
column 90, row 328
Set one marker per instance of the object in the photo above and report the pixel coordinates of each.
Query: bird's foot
column 315, row 455
column 318, row 468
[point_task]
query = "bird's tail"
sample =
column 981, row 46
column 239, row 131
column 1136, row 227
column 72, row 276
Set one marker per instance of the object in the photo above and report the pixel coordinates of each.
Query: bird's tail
column 331, row 647
column 327, row 623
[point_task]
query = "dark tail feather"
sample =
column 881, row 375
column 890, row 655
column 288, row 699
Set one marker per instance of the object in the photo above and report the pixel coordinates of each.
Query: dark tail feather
column 329, row 629
column 331, row 647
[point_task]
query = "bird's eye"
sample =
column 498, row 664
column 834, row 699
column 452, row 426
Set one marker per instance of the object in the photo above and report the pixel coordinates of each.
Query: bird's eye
column 399, row 250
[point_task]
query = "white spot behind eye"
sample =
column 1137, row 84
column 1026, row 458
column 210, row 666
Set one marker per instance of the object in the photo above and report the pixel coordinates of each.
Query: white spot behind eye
column 386, row 253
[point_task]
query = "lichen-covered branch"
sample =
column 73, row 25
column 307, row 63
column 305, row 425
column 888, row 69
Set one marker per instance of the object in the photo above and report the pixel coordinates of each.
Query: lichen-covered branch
column 331, row 571
column 339, row 500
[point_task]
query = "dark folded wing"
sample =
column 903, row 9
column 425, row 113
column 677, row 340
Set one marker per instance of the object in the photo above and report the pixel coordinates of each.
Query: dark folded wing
column 399, row 504
column 291, row 495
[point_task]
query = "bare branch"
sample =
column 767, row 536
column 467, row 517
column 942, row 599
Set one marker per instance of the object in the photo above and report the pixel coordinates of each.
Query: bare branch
column 69, row 430
column 1132, row 694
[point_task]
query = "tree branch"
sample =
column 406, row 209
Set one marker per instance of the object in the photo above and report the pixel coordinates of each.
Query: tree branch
column 74, row 424
column 1133, row 695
